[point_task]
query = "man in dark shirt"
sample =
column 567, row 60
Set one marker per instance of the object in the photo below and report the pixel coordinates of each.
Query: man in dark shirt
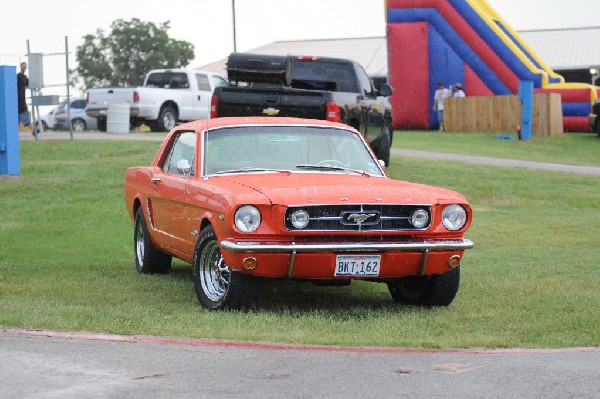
column 22, row 84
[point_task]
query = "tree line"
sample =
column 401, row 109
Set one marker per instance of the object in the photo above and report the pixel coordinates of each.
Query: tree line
column 124, row 55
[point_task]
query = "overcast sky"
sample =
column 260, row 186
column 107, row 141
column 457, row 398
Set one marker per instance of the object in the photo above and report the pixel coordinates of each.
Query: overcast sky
column 208, row 23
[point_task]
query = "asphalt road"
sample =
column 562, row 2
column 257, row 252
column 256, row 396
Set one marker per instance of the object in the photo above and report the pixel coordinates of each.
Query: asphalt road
column 48, row 364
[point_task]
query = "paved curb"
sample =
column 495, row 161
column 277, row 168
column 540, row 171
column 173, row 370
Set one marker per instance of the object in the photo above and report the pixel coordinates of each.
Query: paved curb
column 508, row 163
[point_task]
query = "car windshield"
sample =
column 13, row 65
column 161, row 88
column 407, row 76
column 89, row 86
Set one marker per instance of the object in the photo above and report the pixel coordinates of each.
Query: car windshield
column 247, row 149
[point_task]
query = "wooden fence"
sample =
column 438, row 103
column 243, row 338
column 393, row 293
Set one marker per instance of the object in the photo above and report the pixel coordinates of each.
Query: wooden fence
column 503, row 114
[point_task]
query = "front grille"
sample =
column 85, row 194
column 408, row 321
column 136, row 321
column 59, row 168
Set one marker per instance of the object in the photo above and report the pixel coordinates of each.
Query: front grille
column 361, row 217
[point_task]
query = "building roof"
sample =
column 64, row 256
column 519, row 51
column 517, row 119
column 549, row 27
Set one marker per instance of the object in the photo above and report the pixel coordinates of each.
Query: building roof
column 370, row 52
column 560, row 49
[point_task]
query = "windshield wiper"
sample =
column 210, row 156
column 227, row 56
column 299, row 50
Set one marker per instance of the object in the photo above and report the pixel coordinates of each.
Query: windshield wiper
column 250, row 170
column 332, row 167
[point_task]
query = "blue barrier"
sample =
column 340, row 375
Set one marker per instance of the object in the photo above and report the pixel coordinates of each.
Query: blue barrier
column 9, row 122
column 526, row 97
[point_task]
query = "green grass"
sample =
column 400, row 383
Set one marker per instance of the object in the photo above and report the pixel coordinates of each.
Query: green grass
column 573, row 148
column 532, row 280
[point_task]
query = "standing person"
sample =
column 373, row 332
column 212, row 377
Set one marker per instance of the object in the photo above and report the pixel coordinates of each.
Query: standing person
column 438, row 103
column 22, row 85
column 457, row 91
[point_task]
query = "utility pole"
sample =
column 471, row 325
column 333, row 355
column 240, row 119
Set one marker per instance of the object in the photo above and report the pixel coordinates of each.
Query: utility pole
column 234, row 36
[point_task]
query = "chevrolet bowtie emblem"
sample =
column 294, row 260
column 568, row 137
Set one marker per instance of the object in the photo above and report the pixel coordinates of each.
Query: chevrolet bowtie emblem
column 270, row 111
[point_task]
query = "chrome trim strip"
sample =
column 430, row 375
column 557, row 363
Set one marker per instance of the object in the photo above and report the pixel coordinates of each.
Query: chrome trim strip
column 446, row 245
column 150, row 220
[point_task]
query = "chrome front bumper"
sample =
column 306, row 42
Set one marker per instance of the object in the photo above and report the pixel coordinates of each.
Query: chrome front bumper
column 425, row 246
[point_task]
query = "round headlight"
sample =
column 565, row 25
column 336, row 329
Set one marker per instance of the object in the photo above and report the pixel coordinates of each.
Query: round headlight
column 419, row 218
column 247, row 218
column 454, row 217
column 300, row 219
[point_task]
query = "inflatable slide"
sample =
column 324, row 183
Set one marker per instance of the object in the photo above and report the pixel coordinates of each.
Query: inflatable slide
column 467, row 42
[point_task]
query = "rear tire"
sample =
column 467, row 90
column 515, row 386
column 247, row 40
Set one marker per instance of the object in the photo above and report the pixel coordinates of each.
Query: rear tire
column 435, row 290
column 101, row 124
column 148, row 259
column 78, row 125
column 216, row 286
column 167, row 119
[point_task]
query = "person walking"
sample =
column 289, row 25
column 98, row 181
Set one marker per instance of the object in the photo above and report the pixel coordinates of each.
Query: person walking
column 438, row 103
column 22, row 85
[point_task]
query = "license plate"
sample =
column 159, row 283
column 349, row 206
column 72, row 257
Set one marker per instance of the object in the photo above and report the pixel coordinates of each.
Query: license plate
column 357, row 265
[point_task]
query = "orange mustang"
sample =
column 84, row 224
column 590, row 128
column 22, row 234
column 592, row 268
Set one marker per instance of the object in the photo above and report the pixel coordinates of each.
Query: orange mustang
column 245, row 199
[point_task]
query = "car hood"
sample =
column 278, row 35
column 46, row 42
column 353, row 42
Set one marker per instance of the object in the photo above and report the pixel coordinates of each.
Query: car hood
column 324, row 188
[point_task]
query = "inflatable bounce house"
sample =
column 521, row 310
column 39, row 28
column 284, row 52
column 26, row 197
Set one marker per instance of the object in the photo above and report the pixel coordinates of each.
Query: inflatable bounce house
column 467, row 42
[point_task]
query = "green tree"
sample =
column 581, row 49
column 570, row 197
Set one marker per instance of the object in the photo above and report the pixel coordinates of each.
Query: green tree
column 127, row 53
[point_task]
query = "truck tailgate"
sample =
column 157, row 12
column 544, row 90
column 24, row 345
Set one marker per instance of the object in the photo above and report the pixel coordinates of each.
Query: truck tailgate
column 98, row 99
column 286, row 102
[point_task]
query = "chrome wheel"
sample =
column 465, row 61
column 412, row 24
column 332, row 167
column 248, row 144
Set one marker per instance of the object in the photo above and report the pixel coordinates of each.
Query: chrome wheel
column 169, row 120
column 78, row 125
column 216, row 286
column 139, row 244
column 215, row 276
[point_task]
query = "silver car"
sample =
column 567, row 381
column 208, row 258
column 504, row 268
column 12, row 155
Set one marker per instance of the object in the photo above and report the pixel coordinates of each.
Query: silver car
column 79, row 120
column 47, row 121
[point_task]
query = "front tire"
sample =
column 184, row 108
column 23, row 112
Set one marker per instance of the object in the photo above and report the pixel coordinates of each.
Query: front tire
column 148, row 259
column 435, row 290
column 384, row 145
column 216, row 286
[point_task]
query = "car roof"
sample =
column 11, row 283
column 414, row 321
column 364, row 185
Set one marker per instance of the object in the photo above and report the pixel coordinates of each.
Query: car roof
column 204, row 124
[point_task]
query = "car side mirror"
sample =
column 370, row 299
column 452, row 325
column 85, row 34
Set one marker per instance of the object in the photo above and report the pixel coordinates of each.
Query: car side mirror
column 385, row 90
column 184, row 167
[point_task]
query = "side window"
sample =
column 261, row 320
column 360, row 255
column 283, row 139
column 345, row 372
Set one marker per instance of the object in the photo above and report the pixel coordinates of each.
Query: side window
column 78, row 104
column 203, row 83
column 184, row 147
column 218, row 81
column 156, row 80
column 364, row 81
column 179, row 81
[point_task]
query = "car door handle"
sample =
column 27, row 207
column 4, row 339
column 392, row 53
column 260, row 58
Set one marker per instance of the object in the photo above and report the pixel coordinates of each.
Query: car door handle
column 198, row 97
column 155, row 180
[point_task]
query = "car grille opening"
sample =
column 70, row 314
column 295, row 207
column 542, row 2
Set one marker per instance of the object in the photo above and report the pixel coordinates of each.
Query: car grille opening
column 361, row 217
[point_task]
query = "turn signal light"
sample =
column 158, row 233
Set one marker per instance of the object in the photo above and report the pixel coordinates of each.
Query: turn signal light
column 454, row 261
column 249, row 263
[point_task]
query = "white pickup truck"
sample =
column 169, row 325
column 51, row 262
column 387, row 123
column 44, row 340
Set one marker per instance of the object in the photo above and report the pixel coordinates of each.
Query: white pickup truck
column 167, row 97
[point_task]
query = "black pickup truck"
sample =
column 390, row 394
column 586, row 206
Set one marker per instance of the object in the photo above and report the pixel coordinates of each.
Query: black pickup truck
column 594, row 117
column 307, row 87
